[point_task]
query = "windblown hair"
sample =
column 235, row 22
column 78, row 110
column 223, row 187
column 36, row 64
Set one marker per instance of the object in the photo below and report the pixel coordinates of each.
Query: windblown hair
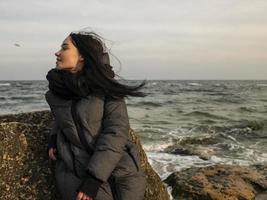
column 97, row 69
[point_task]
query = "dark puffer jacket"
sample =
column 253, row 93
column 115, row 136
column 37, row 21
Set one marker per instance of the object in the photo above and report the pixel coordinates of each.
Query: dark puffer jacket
column 114, row 163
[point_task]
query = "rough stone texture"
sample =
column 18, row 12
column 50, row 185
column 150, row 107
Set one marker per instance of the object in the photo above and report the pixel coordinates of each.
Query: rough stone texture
column 154, row 190
column 204, row 153
column 26, row 172
column 219, row 182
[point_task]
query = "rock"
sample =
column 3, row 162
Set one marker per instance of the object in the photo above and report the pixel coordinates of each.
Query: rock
column 204, row 153
column 26, row 172
column 261, row 196
column 219, row 182
column 155, row 189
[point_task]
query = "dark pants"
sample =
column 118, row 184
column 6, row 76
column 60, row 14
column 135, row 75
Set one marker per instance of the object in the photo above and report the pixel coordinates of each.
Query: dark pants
column 123, row 188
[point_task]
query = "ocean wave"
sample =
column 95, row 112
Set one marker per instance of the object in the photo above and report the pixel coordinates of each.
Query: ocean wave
column 171, row 92
column 174, row 84
column 230, row 160
column 218, row 85
column 146, row 103
column 207, row 121
column 230, row 99
column 203, row 152
column 243, row 152
column 196, row 90
column 230, row 146
column 22, row 97
column 205, row 114
column 156, row 147
column 239, row 130
column 218, row 94
column 246, row 109
column 261, row 85
column 165, row 163
column 252, row 124
column 151, row 84
column 194, row 84
column 211, row 135
column 151, row 130
column 207, row 139
column 5, row 84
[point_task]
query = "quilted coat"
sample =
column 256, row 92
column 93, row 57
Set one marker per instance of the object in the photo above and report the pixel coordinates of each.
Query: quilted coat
column 105, row 125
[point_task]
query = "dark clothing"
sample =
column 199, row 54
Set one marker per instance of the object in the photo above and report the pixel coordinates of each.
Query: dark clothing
column 113, row 166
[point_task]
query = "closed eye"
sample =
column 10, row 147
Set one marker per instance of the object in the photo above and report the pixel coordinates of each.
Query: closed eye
column 64, row 46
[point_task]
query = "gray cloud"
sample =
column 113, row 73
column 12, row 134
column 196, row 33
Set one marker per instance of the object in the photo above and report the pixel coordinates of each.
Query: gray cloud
column 154, row 39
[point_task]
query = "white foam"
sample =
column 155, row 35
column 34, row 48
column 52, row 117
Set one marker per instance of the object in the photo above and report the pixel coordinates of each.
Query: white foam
column 194, row 84
column 156, row 147
column 181, row 132
column 262, row 84
column 151, row 84
column 5, row 84
column 229, row 161
column 165, row 164
column 229, row 137
column 169, row 189
column 253, row 155
column 151, row 128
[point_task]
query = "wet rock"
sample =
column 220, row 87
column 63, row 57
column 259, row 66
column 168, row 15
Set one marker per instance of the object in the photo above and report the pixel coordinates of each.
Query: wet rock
column 219, row 182
column 26, row 172
column 204, row 153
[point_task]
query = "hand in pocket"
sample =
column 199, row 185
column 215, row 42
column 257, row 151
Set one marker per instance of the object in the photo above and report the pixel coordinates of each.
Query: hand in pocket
column 52, row 153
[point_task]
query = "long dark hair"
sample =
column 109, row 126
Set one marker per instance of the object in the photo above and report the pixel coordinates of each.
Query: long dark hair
column 97, row 71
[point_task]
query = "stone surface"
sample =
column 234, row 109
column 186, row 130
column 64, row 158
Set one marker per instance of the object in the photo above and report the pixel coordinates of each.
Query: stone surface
column 155, row 190
column 26, row 172
column 219, row 182
column 204, row 153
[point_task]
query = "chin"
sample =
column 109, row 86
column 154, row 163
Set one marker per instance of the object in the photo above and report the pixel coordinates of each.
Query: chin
column 58, row 67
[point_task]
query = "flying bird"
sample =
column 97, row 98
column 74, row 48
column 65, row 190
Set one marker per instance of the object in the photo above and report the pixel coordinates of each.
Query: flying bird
column 17, row 45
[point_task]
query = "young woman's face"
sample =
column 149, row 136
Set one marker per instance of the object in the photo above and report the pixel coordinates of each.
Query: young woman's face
column 68, row 57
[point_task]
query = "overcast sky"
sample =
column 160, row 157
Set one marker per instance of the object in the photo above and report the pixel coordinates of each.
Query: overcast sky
column 153, row 39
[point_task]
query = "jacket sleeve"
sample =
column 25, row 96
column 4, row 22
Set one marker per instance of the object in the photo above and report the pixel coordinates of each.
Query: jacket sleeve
column 111, row 142
column 52, row 141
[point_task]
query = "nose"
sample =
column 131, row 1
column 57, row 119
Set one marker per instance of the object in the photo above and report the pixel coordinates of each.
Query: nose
column 57, row 53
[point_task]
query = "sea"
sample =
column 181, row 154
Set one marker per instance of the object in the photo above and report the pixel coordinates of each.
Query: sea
column 226, row 120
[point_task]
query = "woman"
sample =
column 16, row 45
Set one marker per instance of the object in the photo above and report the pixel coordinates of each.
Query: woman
column 95, row 158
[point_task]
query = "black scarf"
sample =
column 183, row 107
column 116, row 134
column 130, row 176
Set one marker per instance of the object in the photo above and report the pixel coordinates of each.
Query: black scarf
column 69, row 85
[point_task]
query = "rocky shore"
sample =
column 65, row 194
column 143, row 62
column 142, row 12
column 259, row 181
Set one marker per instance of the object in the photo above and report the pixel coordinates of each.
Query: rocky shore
column 27, row 173
column 220, row 182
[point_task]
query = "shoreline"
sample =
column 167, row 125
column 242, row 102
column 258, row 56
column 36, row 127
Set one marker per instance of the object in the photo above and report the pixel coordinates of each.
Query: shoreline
column 32, row 126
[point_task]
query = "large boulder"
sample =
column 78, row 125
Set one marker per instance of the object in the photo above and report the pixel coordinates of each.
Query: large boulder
column 26, row 171
column 219, row 182
column 155, row 189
